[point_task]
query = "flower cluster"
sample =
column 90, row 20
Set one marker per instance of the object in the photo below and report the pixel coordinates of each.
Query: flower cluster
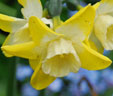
column 54, row 52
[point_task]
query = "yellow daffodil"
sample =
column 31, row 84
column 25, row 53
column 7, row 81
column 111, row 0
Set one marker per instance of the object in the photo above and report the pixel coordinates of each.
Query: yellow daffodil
column 63, row 50
column 103, row 26
column 19, row 35
column 56, row 53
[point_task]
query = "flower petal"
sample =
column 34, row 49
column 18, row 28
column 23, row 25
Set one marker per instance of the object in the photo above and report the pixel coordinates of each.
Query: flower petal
column 48, row 22
column 40, row 80
column 96, row 5
column 103, row 29
column 31, row 8
column 20, row 36
column 106, row 6
column 34, row 63
column 94, row 42
column 11, row 24
column 61, row 59
column 78, row 26
column 25, row 50
column 90, row 59
column 40, row 32
column 17, row 40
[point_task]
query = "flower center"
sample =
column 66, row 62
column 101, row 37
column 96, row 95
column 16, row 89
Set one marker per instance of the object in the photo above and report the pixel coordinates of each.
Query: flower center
column 61, row 59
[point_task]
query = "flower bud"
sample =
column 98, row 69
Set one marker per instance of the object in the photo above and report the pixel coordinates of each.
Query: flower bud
column 54, row 7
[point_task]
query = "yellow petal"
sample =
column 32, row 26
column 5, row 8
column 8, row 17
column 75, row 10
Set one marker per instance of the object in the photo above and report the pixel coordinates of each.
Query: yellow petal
column 106, row 6
column 11, row 24
column 34, row 62
column 20, row 36
column 25, row 50
column 40, row 32
column 95, row 43
column 31, row 8
column 90, row 59
column 96, row 5
column 103, row 29
column 61, row 59
column 78, row 26
column 40, row 80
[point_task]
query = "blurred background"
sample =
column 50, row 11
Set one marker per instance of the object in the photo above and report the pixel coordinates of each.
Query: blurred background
column 84, row 83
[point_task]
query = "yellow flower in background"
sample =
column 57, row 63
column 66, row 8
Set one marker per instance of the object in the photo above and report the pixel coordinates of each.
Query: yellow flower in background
column 52, row 53
column 19, row 35
column 103, row 26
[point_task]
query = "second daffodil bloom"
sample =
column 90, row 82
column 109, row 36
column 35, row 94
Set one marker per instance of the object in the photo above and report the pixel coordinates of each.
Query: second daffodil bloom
column 56, row 53
column 103, row 26
column 19, row 35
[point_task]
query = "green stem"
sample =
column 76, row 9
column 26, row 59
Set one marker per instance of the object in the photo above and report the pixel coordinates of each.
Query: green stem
column 45, row 13
column 93, row 92
column 11, row 91
column 79, row 7
column 56, row 22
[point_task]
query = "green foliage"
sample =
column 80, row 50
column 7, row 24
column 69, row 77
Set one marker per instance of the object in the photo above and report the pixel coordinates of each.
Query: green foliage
column 72, row 4
column 110, row 55
column 43, row 3
column 90, row 1
column 2, row 38
column 7, row 10
column 64, row 14
column 108, row 92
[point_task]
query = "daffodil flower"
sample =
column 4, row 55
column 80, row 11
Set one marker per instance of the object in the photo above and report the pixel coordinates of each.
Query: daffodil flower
column 103, row 26
column 63, row 51
column 56, row 53
column 19, row 35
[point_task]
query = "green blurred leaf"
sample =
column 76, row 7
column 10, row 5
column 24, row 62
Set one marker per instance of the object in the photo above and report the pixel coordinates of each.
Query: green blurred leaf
column 23, row 61
column 43, row 2
column 72, row 4
column 110, row 55
column 108, row 92
column 5, row 9
column 2, row 38
column 64, row 14
column 91, row 1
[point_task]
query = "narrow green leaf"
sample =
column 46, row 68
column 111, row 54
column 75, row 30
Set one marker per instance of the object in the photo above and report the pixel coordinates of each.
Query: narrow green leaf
column 5, row 9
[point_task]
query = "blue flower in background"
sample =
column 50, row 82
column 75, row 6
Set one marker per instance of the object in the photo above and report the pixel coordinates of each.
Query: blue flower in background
column 101, row 86
column 106, row 52
column 74, row 90
column 23, row 72
column 56, row 86
column 71, row 13
column 108, row 78
column 84, row 89
column 83, row 4
column 92, row 76
column 27, row 90
column 73, row 77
